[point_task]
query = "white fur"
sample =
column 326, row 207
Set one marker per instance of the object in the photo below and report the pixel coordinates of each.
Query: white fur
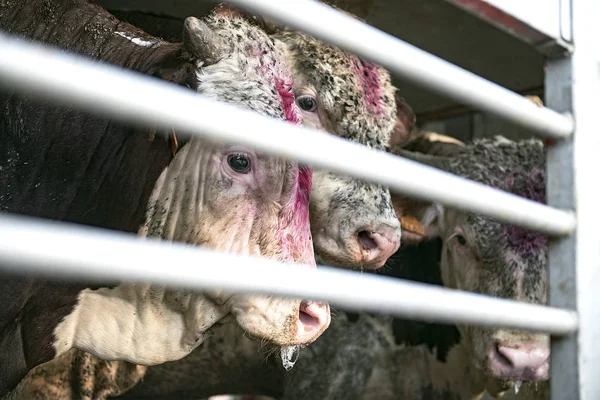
column 142, row 324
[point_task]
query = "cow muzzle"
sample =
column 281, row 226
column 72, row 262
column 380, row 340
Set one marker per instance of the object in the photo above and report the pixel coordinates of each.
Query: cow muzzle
column 524, row 362
column 280, row 321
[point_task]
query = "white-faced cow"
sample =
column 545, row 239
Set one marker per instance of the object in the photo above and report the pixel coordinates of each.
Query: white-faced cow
column 72, row 166
column 369, row 357
column 353, row 223
column 325, row 78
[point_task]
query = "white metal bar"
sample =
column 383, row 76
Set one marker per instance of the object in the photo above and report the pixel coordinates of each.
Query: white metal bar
column 57, row 250
column 117, row 93
column 325, row 23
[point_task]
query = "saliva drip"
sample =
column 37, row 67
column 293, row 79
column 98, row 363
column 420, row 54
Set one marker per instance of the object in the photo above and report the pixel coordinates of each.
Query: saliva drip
column 289, row 356
column 518, row 386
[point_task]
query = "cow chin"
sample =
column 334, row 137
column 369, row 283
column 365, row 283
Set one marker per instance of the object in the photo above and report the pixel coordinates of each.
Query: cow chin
column 280, row 321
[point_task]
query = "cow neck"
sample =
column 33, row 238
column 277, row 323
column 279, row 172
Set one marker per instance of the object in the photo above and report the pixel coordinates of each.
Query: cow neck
column 116, row 323
column 86, row 28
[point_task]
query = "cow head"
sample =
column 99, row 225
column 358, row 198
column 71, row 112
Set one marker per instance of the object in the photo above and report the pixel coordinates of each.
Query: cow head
column 485, row 256
column 353, row 222
column 232, row 198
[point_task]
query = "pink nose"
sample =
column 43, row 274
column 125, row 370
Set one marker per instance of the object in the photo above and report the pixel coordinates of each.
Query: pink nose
column 377, row 244
column 527, row 363
column 313, row 319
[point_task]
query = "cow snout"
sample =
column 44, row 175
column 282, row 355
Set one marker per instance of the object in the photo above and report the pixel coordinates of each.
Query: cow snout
column 313, row 319
column 528, row 362
column 377, row 244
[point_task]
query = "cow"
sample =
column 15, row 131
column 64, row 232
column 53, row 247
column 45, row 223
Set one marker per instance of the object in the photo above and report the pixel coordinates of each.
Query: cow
column 354, row 99
column 415, row 360
column 366, row 356
column 343, row 202
column 378, row 357
column 339, row 93
column 75, row 167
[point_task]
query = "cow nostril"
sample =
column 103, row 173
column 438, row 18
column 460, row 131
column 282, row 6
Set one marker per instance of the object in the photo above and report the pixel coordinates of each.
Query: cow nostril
column 308, row 320
column 307, row 317
column 502, row 359
column 366, row 240
column 375, row 244
column 312, row 317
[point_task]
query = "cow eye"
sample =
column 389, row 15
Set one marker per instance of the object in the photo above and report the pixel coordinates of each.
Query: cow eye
column 307, row 103
column 239, row 162
column 461, row 240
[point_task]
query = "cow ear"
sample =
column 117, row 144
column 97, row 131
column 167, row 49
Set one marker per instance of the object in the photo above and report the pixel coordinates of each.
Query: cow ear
column 405, row 121
column 202, row 42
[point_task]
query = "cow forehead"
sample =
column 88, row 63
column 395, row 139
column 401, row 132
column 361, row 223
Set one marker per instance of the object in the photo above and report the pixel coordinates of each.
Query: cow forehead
column 515, row 167
column 237, row 32
column 262, row 73
column 358, row 95
column 502, row 164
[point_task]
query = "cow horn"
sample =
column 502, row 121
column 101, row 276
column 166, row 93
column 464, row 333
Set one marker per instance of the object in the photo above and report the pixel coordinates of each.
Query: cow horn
column 202, row 42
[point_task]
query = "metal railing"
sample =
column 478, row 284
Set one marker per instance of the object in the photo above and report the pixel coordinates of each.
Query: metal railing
column 412, row 63
column 61, row 250
column 124, row 94
column 130, row 97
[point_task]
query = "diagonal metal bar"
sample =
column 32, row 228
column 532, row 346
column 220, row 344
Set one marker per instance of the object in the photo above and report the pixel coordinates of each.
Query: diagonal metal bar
column 58, row 250
column 118, row 93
